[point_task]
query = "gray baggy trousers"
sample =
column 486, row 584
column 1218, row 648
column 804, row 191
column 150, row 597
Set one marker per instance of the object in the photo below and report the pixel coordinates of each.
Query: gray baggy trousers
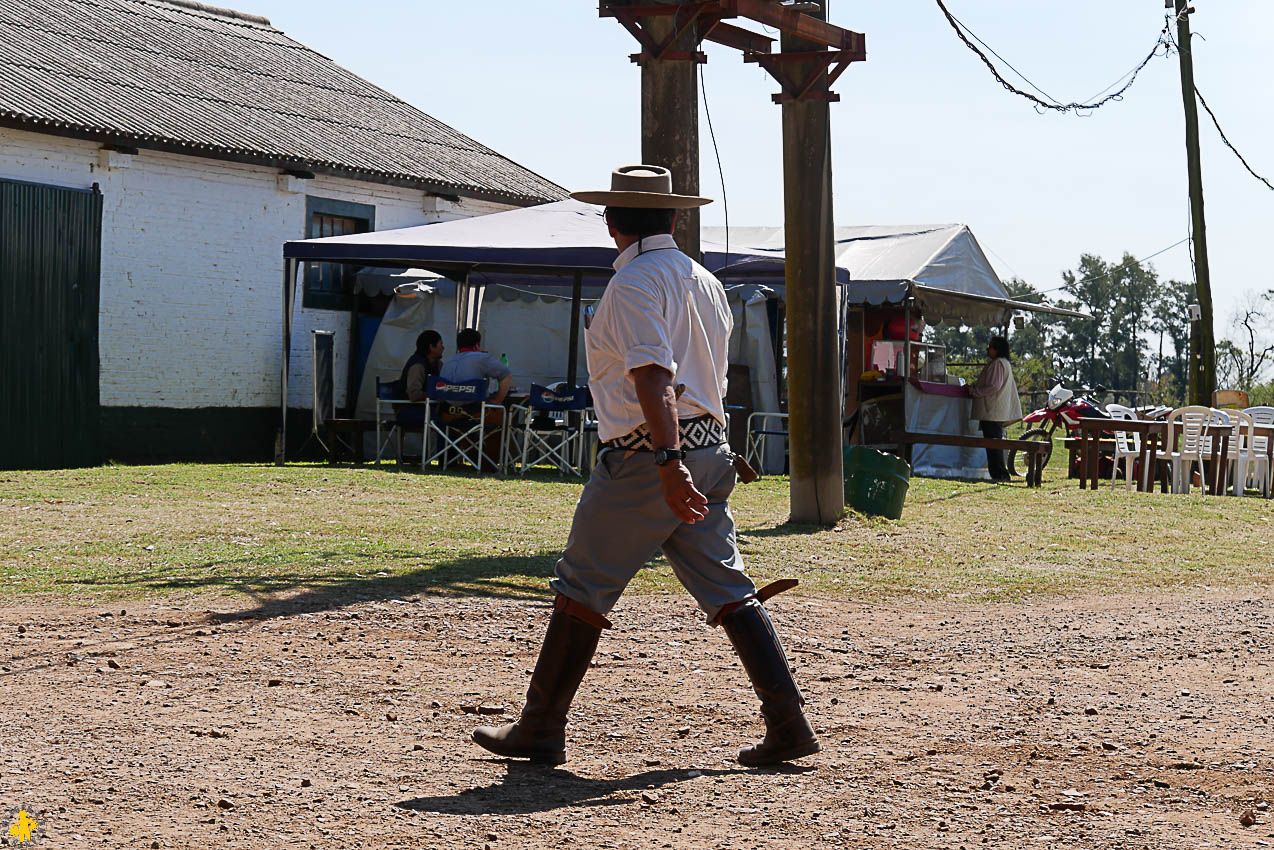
column 621, row 521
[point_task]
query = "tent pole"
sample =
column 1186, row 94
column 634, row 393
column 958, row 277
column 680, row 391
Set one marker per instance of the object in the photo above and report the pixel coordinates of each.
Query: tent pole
column 572, row 357
column 906, row 335
column 289, row 295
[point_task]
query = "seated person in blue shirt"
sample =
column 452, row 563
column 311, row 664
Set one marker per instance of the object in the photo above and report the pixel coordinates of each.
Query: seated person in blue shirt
column 470, row 363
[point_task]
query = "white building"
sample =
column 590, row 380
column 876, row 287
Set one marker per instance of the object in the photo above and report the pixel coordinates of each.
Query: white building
column 174, row 147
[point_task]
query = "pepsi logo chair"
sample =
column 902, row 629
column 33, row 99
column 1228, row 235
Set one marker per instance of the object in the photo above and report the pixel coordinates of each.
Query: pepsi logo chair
column 456, row 427
column 549, row 428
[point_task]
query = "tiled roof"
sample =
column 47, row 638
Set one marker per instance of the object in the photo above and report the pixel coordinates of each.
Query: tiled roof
column 181, row 76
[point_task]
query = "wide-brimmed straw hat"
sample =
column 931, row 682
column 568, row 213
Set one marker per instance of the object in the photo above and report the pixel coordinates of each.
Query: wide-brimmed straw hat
column 643, row 187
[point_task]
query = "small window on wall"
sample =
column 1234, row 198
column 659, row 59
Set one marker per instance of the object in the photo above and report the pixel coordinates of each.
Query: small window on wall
column 330, row 286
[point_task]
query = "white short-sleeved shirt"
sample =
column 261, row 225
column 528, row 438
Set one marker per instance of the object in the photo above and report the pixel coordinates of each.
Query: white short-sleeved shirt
column 660, row 308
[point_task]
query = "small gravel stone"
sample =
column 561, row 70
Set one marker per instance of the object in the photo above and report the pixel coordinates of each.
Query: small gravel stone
column 225, row 803
column 1248, row 818
column 1068, row 806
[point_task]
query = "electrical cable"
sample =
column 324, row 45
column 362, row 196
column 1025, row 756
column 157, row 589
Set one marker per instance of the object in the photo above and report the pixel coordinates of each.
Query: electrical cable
column 1002, row 59
column 725, row 202
column 1194, row 268
column 1167, row 51
column 1115, row 269
column 1055, row 105
column 1212, row 115
column 1217, row 124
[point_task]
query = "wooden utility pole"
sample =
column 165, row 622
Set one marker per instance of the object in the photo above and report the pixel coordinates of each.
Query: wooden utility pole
column 670, row 115
column 813, row 357
column 669, row 34
column 1203, row 347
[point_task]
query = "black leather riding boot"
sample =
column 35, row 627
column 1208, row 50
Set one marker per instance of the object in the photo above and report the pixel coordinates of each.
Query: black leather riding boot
column 788, row 734
column 540, row 733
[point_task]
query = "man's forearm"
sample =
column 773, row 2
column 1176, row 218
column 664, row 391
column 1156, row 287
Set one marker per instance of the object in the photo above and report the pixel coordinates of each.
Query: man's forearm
column 658, row 400
column 502, row 391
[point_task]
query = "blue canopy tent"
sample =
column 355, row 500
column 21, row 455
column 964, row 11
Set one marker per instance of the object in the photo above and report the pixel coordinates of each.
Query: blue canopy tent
column 562, row 244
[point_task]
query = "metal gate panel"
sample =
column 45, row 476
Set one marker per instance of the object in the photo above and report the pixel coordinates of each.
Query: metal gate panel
column 50, row 273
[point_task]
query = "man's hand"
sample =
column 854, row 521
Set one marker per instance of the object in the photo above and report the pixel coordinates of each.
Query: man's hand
column 685, row 500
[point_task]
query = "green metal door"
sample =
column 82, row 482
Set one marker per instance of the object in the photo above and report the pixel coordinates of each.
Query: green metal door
column 50, row 269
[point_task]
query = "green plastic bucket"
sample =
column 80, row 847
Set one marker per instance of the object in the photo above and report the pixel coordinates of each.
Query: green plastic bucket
column 876, row 482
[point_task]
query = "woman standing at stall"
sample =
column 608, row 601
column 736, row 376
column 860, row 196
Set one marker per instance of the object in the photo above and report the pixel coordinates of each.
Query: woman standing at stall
column 996, row 403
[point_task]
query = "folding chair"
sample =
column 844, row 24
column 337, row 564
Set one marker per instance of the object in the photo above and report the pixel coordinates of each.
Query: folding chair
column 552, row 428
column 455, row 414
column 393, row 408
column 762, row 426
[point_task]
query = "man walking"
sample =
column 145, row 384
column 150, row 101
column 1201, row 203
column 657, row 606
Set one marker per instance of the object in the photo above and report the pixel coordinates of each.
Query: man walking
column 657, row 364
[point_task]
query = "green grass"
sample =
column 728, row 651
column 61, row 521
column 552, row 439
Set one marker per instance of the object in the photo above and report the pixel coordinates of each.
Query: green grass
column 322, row 534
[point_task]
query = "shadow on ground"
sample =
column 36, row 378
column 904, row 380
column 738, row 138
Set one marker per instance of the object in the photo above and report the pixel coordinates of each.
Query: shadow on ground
column 528, row 788
column 313, row 590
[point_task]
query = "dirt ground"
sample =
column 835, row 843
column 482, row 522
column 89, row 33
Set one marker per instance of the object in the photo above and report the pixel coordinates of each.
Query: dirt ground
column 1135, row 722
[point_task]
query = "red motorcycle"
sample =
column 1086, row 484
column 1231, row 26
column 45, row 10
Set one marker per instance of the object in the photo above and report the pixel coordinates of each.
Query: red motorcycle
column 1064, row 408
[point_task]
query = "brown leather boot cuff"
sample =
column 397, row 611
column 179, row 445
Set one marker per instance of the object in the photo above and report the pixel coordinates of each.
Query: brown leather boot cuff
column 581, row 612
column 774, row 588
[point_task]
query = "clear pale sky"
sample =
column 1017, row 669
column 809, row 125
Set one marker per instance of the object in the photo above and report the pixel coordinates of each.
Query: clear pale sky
column 922, row 134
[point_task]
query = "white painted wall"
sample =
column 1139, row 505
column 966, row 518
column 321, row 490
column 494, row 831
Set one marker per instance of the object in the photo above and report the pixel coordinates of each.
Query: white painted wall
column 192, row 270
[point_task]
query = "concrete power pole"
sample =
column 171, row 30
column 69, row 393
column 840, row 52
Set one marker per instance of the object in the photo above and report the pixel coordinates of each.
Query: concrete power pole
column 1203, row 348
column 813, row 356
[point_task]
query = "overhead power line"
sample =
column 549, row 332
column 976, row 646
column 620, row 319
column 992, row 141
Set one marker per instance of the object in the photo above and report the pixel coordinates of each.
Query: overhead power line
column 1217, row 124
column 1113, row 269
column 1162, row 43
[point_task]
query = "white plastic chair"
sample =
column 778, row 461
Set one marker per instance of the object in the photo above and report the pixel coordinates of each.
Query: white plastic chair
column 1127, row 445
column 1220, row 424
column 1259, row 471
column 1238, row 453
column 1190, row 423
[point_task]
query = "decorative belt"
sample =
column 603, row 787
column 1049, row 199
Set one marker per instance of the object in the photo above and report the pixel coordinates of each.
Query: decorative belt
column 698, row 433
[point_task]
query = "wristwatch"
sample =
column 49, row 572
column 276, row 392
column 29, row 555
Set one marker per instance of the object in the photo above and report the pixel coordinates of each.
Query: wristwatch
column 663, row 456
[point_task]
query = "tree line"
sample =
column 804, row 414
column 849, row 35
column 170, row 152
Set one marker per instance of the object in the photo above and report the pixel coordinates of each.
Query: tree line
column 1138, row 339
